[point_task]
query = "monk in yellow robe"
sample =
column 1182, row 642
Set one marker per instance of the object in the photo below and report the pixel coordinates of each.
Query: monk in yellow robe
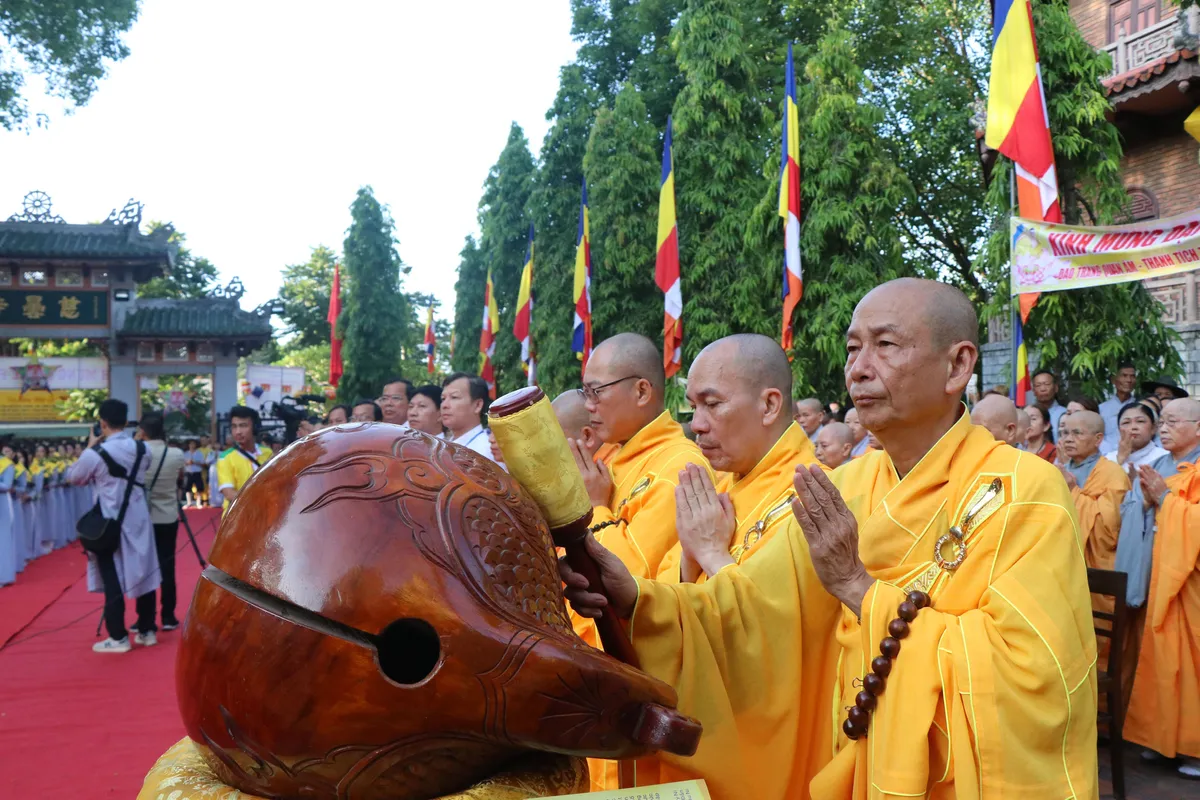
column 1164, row 710
column 990, row 690
column 739, row 387
column 633, row 491
column 1097, row 486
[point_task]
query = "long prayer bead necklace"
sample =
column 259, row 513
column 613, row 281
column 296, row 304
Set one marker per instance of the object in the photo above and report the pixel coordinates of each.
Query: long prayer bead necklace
column 858, row 716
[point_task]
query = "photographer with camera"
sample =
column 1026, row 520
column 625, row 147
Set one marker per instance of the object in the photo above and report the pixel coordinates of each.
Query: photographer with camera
column 116, row 532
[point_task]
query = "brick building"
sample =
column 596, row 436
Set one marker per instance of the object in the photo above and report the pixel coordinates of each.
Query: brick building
column 1153, row 87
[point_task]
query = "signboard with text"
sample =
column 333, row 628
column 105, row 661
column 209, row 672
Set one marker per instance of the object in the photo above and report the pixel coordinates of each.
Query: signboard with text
column 1052, row 258
column 53, row 307
column 25, row 374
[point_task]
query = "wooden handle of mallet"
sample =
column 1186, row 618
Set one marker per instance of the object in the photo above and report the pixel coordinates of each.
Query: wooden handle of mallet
column 537, row 454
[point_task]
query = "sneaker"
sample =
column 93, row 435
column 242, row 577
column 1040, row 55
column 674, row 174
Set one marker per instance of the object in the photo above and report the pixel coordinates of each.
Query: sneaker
column 1190, row 768
column 1152, row 756
column 170, row 626
column 111, row 645
column 147, row 639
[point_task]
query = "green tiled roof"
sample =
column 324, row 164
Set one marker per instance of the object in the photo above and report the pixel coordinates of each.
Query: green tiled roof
column 202, row 318
column 100, row 241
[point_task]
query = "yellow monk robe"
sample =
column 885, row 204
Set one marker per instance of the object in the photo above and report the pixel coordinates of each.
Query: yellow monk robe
column 1164, row 712
column 762, row 505
column 645, row 472
column 1098, row 506
column 993, row 694
column 761, row 499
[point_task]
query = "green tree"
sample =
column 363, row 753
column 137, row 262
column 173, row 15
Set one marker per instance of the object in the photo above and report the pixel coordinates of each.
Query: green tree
column 720, row 127
column 850, row 192
column 377, row 321
column 554, row 207
column 70, row 45
column 468, row 306
column 505, row 225
column 624, row 169
column 191, row 275
column 305, row 295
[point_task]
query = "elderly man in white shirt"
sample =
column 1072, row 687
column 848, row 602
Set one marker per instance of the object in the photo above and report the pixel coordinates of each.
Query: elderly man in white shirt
column 132, row 569
column 397, row 393
column 464, row 403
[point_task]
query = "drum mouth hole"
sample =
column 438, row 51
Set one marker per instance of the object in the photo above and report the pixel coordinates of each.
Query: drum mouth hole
column 408, row 651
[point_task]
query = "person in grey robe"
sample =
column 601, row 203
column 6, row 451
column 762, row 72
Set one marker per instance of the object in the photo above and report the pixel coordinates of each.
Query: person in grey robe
column 132, row 570
column 10, row 548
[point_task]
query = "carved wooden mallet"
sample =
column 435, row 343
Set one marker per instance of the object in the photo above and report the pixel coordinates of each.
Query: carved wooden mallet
column 536, row 453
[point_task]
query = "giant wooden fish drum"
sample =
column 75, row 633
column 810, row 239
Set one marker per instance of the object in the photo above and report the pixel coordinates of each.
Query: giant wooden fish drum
column 383, row 619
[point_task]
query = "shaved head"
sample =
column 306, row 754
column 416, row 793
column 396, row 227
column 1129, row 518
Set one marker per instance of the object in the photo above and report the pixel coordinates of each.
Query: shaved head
column 809, row 415
column 834, row 443
column 634, row 354
column 1023, row 423
column 571, row 412
column 911, row 350
column 739, row 387
column 623, row 384
column 999, row 415
column 946, row 311
column 1080, row 434
column 1180, row 431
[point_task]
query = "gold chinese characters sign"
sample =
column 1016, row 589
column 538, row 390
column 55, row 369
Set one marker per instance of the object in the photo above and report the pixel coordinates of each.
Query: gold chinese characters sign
column 53, row 307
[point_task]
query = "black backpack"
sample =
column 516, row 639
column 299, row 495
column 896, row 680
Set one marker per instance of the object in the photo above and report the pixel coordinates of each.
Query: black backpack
column 97, row 533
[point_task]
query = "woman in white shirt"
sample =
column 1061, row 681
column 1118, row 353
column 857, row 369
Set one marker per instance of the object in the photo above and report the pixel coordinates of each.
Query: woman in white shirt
column 1137, row 423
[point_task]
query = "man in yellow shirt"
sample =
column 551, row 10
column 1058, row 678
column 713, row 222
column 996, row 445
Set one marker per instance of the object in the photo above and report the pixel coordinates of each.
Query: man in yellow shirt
column 739, row 387
column 239, row 462
column 967, row 649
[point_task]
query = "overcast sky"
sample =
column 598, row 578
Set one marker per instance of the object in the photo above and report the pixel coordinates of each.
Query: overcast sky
column 250, row 125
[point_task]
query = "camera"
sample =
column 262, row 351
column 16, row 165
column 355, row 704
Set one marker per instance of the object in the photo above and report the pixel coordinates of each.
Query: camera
column 293, row 411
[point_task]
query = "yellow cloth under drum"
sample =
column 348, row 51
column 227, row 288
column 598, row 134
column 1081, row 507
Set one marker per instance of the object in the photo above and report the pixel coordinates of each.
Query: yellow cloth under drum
column 182, row 774
column 993, row 694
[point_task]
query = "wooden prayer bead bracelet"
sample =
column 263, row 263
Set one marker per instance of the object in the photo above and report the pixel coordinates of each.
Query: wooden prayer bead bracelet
column 858, row 716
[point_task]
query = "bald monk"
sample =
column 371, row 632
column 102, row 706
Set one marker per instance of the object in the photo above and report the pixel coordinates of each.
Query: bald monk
column 999, row 415
column 809, row 414
column 835, row 442
column 993, row 691
column 861, row 442
column 1164, row 710
column 572, row 414
column 739, row 387
column 1023, row 423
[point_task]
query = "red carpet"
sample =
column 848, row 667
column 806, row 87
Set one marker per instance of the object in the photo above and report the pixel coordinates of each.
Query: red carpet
column 73, row 724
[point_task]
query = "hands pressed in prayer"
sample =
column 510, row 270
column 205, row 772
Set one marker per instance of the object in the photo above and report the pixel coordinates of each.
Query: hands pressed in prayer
column 1068, row 477
column 617, row 580
column 705, row 523
column 1154, row 486
column 832, row 534
column 1124, row 447
column 596, row 476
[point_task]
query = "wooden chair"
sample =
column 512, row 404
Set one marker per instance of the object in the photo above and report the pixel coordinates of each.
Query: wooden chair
column 1109, row 680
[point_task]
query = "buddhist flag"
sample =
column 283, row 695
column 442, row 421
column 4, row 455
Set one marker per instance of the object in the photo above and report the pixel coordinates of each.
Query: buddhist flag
column 430, row 340
column 335, row 341
column 1018, row 124
column 581, row 336
column 666, row 264
column 487, row 336
column 523, row 322
column 789, row 204
column 1021, row 384
column 452, row 343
